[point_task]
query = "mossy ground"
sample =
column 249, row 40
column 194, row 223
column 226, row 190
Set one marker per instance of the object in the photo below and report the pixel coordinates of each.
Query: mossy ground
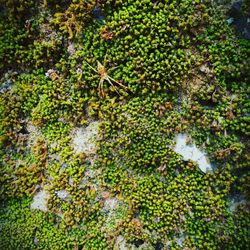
column 143, row 71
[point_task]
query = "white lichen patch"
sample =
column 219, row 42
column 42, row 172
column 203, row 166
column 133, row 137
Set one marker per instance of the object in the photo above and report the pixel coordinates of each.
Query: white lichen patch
column 205, row 69
column 34, row 133
column 91, row 173
column 181, row 240
column 235, row 202
column 84, row 139
column 63, row 194
column 6, row 86
column 40, row 201
column 71, row 49
column 191, row 152
column 115, row 211
column 120, row 243
column 111, row 204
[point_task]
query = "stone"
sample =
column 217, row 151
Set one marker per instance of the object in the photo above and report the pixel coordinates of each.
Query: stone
column 191, row 152
column 40, row 201
column 84, row 138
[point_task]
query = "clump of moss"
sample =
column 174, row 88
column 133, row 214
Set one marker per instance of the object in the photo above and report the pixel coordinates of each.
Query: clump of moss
column 146, row 70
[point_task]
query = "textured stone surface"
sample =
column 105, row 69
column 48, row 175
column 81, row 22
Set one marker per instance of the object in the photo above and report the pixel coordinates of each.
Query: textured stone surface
column 84, row 139
column 191, row 152
column 40, row 201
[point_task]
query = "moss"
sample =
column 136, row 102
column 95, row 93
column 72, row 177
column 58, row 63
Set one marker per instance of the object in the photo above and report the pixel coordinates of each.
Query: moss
column 146, row 71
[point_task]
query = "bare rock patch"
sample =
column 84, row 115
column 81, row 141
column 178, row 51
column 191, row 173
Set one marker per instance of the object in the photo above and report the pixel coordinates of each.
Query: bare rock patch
column 84, row 138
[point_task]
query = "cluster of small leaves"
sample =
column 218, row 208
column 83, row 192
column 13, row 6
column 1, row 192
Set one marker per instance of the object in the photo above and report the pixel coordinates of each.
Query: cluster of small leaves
column 23, row 170
column 177, row 67
column 79, row 207
column 12, row 41
column 135, row 133
column 22, row 228
column 229, row 233
column 149, row 42
column 188, row 203
column 72, row 20
column 29, row 43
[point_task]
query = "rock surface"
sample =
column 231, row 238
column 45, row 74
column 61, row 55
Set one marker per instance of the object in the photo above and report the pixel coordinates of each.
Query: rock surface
column 84, row 139
column 40, row 201
column 191, row 152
